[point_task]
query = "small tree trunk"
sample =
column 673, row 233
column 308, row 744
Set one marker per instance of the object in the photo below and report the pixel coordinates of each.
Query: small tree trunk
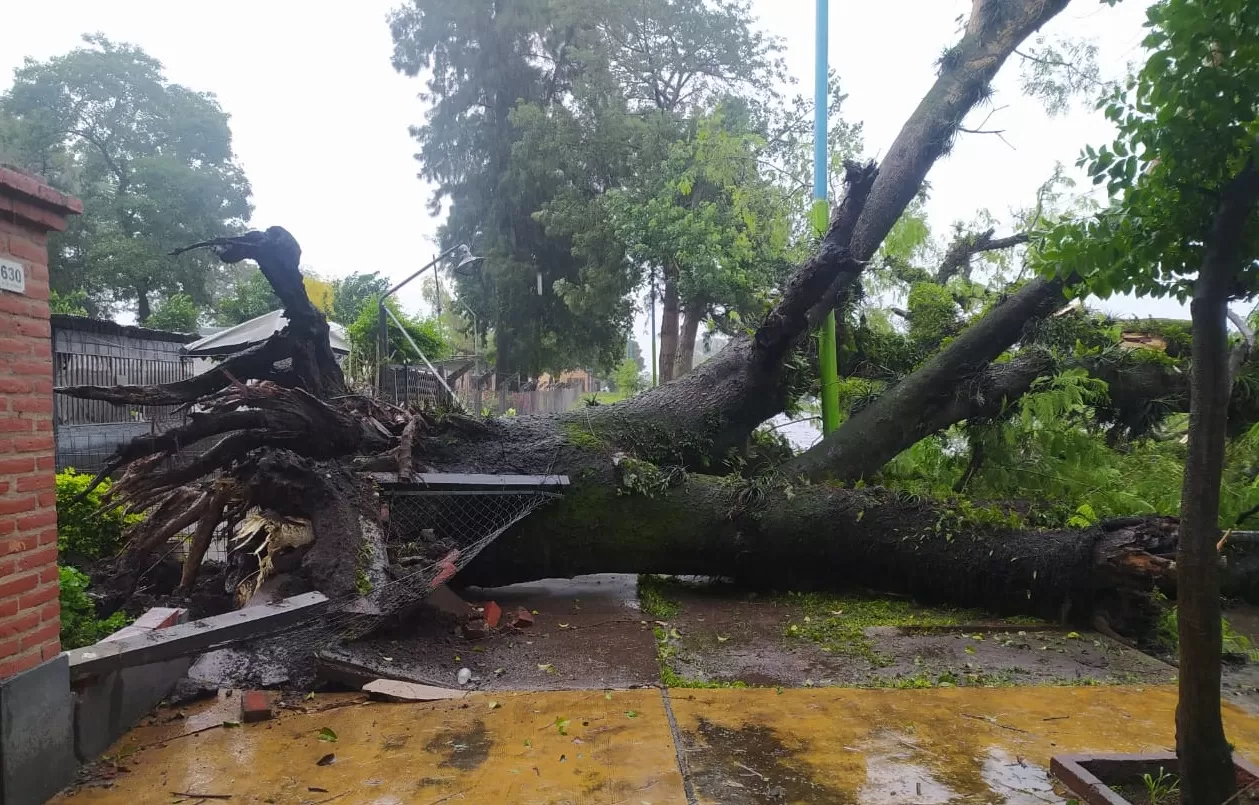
column 1206, row 764
column 669, row 325
column 686, row 340
column 143, row 308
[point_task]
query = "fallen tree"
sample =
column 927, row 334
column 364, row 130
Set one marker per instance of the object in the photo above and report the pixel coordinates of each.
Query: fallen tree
column 287, row 440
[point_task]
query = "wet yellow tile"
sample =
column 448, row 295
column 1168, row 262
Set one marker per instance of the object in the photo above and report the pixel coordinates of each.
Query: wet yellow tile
column 456, row 751
column 879, row 747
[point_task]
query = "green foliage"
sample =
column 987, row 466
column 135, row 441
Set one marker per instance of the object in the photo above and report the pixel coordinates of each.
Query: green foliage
column 617, row 135
column 1187, row 124
column 84, row 532
column 151, row 160
column 79, row 624
column 838, row 623
column 177, row 314
column 1233, row 643
column 933, row 315
column 629, row 378
column 653, row 597
column 364, row 331
column 246, row 295
column 71, row 303
column 350, row 294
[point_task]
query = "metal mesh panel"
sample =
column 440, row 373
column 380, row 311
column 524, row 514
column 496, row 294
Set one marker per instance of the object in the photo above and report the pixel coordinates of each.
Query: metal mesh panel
column 430, row 535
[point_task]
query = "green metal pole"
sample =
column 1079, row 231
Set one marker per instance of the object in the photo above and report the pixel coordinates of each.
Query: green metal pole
column 820, row 215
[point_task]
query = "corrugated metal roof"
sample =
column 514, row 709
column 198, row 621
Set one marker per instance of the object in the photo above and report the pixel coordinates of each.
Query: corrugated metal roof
column 84, row 324
column 255, row 331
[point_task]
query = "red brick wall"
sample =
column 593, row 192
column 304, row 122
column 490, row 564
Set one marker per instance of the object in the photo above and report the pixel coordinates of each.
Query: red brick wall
column 29, row 622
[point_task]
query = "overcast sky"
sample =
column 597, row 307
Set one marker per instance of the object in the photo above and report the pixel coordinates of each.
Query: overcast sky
column 319, row 117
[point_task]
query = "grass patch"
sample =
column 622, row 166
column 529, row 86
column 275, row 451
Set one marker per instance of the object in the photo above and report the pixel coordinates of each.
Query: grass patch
column 670, row 678
column 604, row 398
column 838, row 622
column 947, row 679
column 654, row 598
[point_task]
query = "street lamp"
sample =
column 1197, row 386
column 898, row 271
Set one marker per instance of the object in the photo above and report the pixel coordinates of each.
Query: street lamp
column 466, row 265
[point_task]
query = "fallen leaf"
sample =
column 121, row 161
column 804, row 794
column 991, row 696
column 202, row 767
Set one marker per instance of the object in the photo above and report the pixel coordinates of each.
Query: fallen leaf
column 563, row 625
column 328, row 735
column 528, row 742
column 499, row 671
column 563, row 758
column 310, row 696
column 535, row 612
column 546, row 666
column 970, row 649
column 722, row 638
column 675, row 634
column 1073, row 635
column 495, row 705
column 326, row 760
column 230, row 724
column 561, row 724
column 608, row 695
column 387, row 659
column 631, row 714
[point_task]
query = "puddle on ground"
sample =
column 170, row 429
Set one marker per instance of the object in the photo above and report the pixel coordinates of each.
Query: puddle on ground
column 1020, row 782
column 465, row 750
column 893, row 779
column 752, row 766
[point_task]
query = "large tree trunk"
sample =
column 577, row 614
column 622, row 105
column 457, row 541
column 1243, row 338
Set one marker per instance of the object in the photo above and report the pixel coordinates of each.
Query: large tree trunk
column 669, row 312
column 1206, row 765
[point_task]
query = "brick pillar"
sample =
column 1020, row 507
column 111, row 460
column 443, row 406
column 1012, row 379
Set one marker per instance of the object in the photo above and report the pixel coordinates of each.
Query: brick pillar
column 29, row 622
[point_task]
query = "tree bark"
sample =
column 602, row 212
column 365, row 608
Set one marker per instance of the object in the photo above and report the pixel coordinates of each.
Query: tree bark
column 669, row 309
column 685, row 360
column 143, row 308
column 1206, row 766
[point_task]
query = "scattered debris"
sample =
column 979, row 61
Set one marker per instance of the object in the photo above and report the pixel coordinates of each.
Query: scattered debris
column 188, row 795
column 464, row 676
column 395, row 691
column 493, row 613
column 475, row 629
column 255, row 706
column 523, row 619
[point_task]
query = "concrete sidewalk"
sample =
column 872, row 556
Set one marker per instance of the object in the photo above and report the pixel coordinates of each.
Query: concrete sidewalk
column 729, row 747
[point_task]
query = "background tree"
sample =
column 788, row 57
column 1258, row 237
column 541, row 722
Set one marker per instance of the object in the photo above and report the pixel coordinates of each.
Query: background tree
column 1183, row 180
column 245, row 295
column 151, row 160
column 177, row 313
column 538, row 109
column 352, row 292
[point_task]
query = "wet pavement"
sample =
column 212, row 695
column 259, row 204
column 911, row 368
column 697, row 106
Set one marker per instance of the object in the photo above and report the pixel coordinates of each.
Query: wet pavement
column 736, row 747
column 765, row 699
column 587, row 633
column 723, row 637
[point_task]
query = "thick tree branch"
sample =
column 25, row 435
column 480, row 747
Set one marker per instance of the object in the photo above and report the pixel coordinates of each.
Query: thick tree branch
column 957, row 257
column 927, row 399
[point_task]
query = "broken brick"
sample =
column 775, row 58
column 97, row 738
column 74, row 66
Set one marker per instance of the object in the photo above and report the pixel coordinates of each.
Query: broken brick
column 475, row 629
column 523, row 619
column 493, row 612
column 254, row 706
